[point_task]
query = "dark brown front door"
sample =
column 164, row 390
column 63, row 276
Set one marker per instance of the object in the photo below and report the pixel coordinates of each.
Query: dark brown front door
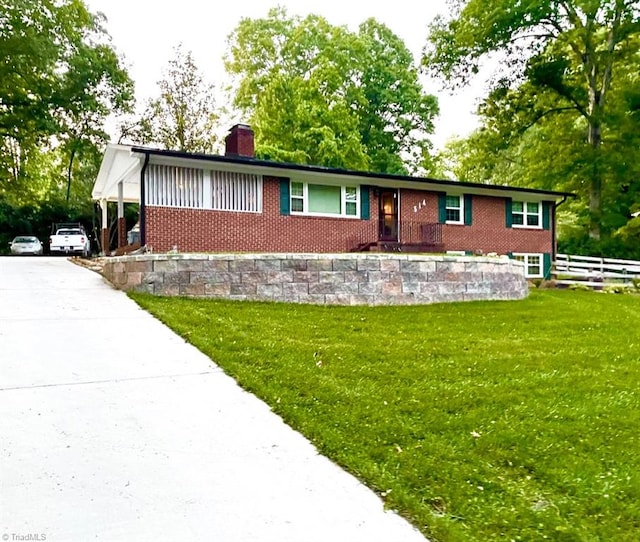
column 388, row 213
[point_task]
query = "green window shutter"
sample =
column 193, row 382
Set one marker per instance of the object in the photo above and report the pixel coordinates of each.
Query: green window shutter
column 285, row 197
column 468, row 252
column 365, row 211
column 510, row 254
column 546, row 214
column 546, row 269
column 468, row 210
column 442, row 207
column 508, row 212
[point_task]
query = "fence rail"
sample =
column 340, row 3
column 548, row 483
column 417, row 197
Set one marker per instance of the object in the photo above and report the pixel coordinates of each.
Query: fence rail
column 595, row 272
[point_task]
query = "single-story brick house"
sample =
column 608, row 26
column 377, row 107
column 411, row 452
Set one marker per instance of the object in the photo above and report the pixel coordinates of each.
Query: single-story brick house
column 237, row 203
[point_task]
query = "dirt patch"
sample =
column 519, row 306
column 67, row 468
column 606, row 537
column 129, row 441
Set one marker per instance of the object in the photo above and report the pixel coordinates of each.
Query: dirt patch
column 93, row 264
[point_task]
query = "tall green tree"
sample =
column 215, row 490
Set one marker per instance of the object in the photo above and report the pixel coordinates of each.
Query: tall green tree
column 94, row 87
column 321, row 94
column 59, row 81
column 184, row 116
column 559, row 57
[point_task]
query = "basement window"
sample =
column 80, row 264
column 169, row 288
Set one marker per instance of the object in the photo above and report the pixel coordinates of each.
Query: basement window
column 532, row 264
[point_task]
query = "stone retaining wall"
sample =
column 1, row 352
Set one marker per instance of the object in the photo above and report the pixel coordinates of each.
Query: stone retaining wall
column 338, row 279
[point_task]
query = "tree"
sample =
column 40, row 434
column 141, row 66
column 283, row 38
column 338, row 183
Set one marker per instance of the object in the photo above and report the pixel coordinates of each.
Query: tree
column 561, row 57
column 184, row 117
column 94, row 87
column 320, row 94
column 59, row 80
column 396, row 115
column 552, row 155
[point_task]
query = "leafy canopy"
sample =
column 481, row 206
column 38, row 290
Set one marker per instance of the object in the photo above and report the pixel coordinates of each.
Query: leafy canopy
column 59, row 80
column 567, row 67
column 321, row 94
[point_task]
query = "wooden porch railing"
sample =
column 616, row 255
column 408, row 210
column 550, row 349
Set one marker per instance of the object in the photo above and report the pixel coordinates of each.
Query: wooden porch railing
column 410, row 237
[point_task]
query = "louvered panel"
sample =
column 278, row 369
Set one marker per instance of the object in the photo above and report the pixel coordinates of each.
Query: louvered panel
column 237, row 192
column 171, row 186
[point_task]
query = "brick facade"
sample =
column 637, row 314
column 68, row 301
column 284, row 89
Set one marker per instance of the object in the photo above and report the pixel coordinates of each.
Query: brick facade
column 104, row 239
column 191, row 230
column 240, row 141
column 488, row 231
column 122, row 232
column 195, row 230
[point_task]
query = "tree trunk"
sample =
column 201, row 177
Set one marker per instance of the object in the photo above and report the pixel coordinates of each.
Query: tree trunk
column 595, row 182
column 599, row 71
column 69, row 170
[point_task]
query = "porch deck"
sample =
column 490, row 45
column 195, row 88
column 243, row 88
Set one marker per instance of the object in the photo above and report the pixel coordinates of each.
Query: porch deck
column 408, row 237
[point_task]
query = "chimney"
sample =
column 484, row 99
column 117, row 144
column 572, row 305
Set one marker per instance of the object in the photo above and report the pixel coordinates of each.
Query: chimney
column 239, row 142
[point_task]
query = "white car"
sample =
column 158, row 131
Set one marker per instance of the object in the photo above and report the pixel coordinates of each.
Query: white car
column 25, row 245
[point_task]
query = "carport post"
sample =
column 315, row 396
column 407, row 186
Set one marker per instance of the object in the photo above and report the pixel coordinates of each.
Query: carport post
column 104, row 234
column 122, row 223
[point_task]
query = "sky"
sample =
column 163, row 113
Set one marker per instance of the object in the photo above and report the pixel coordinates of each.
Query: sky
column 145, row 33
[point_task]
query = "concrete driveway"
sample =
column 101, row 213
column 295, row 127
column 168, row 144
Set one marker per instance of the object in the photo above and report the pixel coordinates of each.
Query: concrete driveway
column 113, row 428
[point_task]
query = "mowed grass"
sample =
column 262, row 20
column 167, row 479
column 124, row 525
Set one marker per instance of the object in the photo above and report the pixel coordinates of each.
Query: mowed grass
column 481, row 421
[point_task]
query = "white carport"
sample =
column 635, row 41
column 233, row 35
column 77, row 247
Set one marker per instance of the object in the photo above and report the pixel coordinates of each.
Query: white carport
column 118, row 181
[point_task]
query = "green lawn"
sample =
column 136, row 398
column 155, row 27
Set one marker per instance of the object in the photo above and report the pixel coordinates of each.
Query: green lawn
column 516, row 420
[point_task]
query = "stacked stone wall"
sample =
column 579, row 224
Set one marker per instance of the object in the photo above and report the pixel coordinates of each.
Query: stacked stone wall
column 332, row 279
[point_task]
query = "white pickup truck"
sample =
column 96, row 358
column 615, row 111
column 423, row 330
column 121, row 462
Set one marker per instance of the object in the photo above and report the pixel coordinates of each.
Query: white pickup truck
column 69, row 239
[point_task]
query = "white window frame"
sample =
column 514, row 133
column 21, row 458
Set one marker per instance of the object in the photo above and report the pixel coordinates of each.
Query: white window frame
column 460, row 208
column 525, row 257
column 525, row 213
column 297, row 197
column 343, row 200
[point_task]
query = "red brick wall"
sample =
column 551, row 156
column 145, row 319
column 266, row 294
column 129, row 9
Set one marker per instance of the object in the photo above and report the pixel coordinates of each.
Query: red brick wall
column 488, row 231
column 240, row 141
column 104, row 239
column 122, row 232
column 192, row 230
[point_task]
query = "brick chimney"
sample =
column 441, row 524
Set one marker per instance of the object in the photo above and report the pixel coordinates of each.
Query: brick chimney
column 239, row 142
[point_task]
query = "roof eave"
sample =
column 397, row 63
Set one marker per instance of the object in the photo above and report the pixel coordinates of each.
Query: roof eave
column 277, row 169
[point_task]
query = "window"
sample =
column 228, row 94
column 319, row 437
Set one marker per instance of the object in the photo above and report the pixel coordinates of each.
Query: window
column 526, row 214
column 172, row 186
column 238, row 192
column 351, row 200
column 297, row 198
column 324, row 200
column 532, row 264
column 454, row 209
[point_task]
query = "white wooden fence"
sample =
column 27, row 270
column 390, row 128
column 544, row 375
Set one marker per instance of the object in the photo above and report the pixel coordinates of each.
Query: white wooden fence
column 594, row 272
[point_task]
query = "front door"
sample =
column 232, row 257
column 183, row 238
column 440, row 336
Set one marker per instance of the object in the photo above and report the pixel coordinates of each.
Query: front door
column 388, row 213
